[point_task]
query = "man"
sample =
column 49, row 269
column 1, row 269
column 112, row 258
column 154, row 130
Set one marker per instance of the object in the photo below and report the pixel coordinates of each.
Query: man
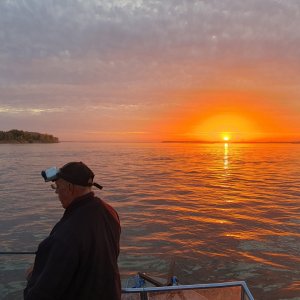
column 78, row 260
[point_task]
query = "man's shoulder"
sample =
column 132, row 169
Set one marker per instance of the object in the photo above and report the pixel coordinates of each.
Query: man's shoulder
column 106, row 209
column 91, row 209
column 93, row 212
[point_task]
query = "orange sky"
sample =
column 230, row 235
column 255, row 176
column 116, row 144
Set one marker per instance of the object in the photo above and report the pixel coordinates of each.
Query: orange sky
column 241, row 115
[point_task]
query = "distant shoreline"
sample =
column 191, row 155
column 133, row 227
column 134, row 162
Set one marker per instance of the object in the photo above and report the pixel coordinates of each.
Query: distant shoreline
column 231, row 142
column 25, row 142
column 16, row 136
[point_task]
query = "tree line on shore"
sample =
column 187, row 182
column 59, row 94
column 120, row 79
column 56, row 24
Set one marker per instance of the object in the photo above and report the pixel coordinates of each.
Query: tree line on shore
column 20, row 136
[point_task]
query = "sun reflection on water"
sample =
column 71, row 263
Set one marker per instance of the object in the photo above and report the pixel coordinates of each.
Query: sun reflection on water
column 226, row 161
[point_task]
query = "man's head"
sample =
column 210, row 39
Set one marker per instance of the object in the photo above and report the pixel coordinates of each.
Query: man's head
column 73, row 180
column 76, row 173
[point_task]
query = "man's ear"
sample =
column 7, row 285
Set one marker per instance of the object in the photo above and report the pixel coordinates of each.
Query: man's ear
column 71, row 188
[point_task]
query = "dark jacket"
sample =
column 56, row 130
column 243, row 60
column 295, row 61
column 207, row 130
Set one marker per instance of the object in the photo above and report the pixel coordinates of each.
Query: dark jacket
column 78, row 260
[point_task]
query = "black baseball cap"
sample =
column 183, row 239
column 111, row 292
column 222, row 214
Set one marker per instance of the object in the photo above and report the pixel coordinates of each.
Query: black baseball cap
column 77, row 173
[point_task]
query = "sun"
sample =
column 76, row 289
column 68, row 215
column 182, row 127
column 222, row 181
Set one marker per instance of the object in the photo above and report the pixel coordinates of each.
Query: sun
column 226, row 137
column 225, row 128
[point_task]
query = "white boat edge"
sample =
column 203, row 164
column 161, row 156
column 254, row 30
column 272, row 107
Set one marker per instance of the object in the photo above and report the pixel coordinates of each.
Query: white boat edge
column 190, row 287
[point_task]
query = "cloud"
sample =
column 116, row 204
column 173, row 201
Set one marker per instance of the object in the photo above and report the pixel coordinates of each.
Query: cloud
column 59, row 41
column 33, row 111
column 120, row 29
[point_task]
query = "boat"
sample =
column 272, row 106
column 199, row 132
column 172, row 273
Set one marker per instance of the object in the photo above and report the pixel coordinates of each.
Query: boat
column 235, row 290
column 146, row 287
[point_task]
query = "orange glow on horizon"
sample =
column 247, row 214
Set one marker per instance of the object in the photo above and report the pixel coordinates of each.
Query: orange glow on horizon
column 208, row 115
column 241, row 115
column 225, row 126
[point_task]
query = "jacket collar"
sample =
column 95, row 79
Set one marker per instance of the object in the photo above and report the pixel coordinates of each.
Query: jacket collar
column 78, row 202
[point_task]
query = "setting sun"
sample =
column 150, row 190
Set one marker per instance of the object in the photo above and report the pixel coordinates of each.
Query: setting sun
column 226, row 138
column 221, row 127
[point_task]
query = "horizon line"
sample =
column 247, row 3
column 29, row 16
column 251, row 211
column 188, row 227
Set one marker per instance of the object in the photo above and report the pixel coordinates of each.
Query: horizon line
column 185, row 141
column 231, row 142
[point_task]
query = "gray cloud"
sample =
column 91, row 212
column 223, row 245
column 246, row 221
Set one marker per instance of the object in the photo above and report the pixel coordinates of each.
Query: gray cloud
column 38, row 29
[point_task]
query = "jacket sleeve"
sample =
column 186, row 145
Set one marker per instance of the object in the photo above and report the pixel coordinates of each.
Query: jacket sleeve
column 53, row 274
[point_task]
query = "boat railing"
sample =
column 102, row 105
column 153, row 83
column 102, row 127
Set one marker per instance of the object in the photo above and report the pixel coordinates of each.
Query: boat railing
column 236, row 290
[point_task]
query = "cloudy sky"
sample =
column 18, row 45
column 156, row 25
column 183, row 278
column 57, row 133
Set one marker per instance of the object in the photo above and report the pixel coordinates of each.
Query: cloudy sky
column 151, row 70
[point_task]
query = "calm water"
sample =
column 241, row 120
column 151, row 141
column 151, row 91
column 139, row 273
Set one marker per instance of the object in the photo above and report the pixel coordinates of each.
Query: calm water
column 207, row 212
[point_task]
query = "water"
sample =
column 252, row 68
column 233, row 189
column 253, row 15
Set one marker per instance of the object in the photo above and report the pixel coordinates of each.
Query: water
column 206, row 212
